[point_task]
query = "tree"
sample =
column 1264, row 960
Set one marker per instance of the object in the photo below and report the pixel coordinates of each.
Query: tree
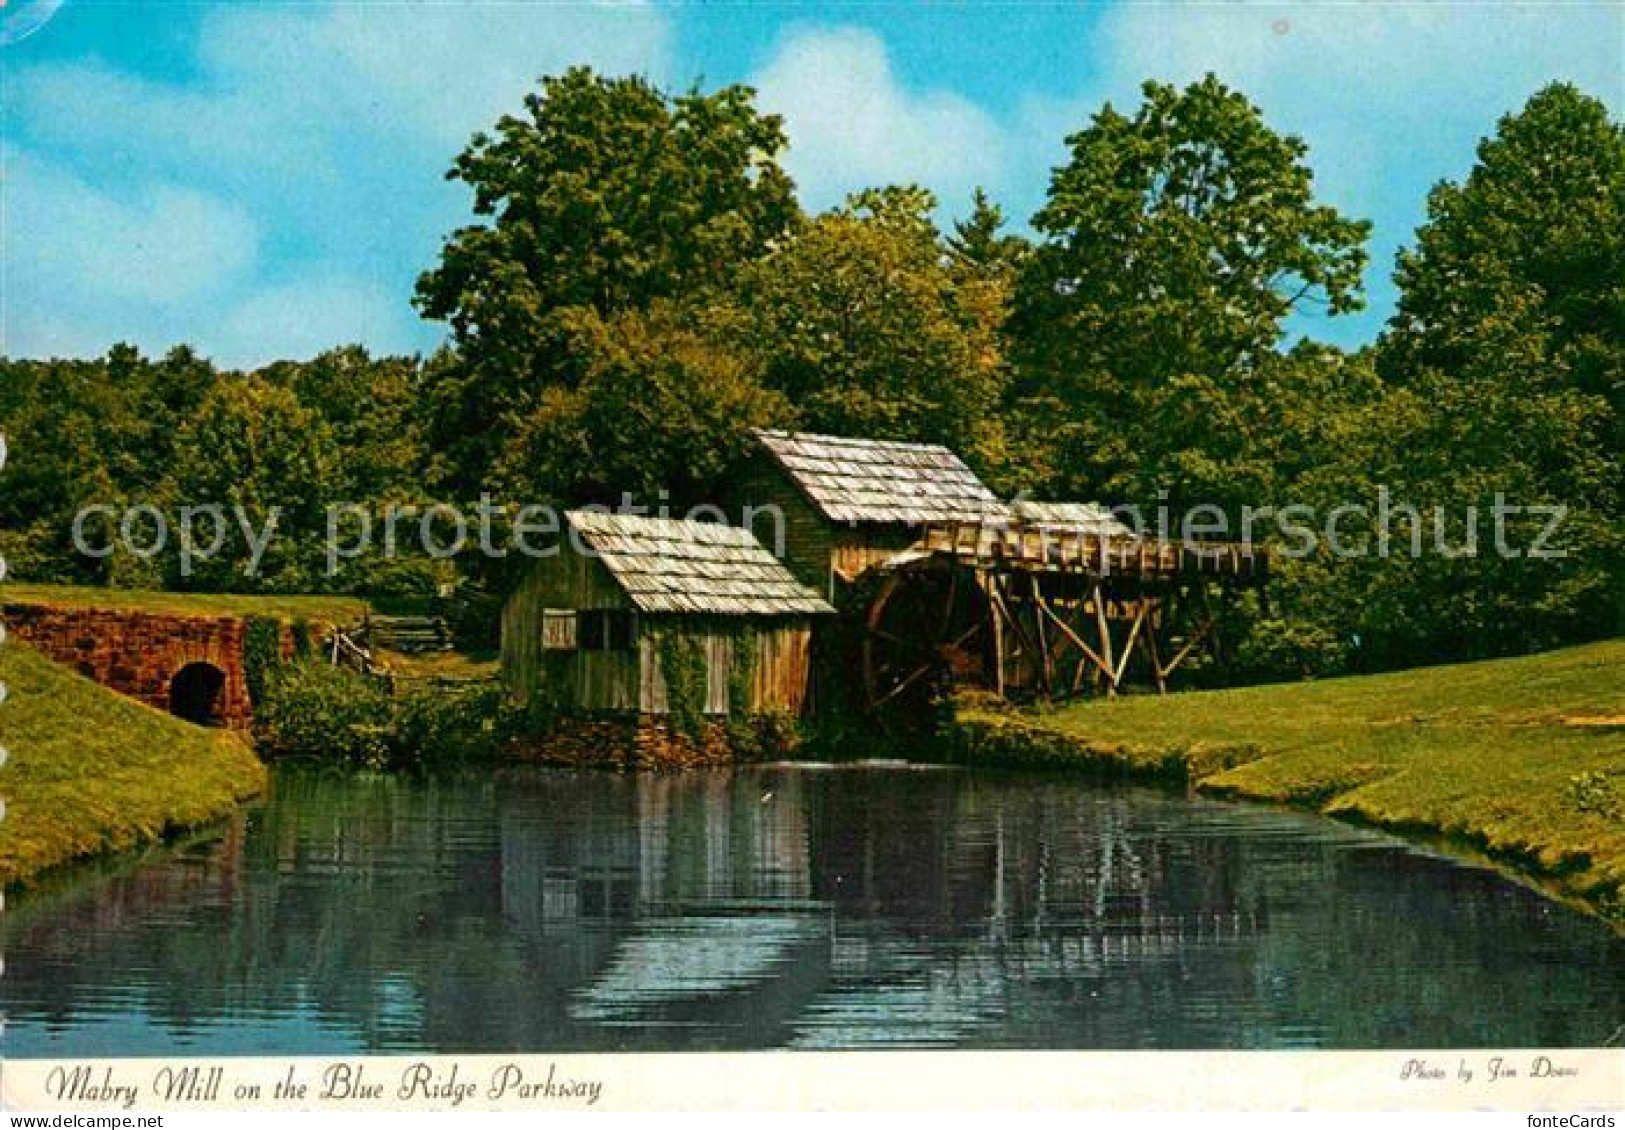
column 85, row 433
column 1543, row 210
column 1450, row 579
column 605, row 195
column 371, row 406
column 1175, row 243
column 868, row 326
column 977, row 245
column 1510, row 332
column 252, row 446
column 663, row 411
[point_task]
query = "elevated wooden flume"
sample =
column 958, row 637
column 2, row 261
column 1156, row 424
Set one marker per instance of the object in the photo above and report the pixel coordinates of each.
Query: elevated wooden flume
column 1044, row 611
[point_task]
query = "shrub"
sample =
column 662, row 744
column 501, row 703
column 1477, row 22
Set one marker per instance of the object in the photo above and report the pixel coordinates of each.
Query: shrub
column 474, row 615
column 682, row 663
column 1595, row 792
column 437, row 724
column 1287, row 649
column 405, row 586
column 312, row 709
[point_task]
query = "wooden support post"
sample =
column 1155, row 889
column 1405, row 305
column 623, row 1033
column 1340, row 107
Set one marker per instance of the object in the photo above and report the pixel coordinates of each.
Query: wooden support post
column 1105, row 639
column 1047, row 666
column 1128, row 646
column 1086, row 653
column 997, row 624
column 1028, row 647
column 1153, row 652
column 1201, row 632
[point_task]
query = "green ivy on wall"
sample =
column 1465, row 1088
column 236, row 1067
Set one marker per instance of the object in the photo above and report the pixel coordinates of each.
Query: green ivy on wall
column 304, row 645
column 549, row 698
column 262, row 654
column 741, row 678
column 682, row 662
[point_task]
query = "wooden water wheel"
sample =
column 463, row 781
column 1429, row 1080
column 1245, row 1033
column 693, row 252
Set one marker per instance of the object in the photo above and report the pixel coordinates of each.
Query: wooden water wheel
column 924, row 631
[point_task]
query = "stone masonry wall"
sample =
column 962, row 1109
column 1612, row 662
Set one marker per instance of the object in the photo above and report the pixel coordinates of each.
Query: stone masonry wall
column 139, row 653
column 628, row 742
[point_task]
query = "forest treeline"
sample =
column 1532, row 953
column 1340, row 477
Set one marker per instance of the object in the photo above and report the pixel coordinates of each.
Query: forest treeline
column 639, row 287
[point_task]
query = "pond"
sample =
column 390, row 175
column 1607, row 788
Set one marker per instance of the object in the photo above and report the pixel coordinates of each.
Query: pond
column 529, row 909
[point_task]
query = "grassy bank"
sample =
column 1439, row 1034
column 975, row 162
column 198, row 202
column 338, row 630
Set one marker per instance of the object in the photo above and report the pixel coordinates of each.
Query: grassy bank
column 91, row 772
column 1518, row 760
column 316, row 609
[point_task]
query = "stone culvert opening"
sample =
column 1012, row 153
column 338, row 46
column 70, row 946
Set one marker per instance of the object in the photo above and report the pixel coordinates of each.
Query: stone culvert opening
column 197, row 693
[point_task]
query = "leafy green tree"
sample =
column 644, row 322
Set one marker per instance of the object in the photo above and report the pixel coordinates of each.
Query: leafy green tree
column 868, row 326
column 1449, row 579
column 605, row 195
column 82, row 433
column 663, row 410
column 1508, row 351
column 1176, row 241
column 1542, row 211
column 252, row 445
column 371, row 405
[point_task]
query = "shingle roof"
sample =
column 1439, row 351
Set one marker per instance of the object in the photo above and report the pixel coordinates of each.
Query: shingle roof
column 1085, row 517
column 861, row 480
column 666, row 565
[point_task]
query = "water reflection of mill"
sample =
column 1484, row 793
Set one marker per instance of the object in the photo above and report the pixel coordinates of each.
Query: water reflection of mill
column 544, row 910
column 765, row 914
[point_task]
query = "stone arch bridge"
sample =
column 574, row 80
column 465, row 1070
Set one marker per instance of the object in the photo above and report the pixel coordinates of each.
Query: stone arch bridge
column 189, row 665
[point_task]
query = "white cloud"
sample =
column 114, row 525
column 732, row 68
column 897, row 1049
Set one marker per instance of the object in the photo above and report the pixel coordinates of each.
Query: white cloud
column 282, row 86
column 84, row 107
column 307, row 144
column 167, row 244
column 853, row 124
column 81, row 268
column 435, row 70
column 299, row 319
column 1375, row 89
column 1390, row 98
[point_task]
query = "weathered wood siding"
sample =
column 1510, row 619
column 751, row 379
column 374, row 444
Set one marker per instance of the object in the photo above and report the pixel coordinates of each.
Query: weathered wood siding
column 819, row 552
column 597, row 680
column 809, row 540
column 779, row 654
column 783, row 668
column 778, row 649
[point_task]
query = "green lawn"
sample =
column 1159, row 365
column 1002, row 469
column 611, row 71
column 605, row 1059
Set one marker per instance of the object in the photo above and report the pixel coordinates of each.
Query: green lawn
column 90, row 771
column 316, row 609
column 1521, row 760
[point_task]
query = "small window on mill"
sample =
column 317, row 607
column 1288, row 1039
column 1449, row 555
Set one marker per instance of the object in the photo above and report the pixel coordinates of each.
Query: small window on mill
column 558, row 630
column 607, row 629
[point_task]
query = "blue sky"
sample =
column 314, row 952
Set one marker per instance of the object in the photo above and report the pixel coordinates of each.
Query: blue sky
column 264, row 180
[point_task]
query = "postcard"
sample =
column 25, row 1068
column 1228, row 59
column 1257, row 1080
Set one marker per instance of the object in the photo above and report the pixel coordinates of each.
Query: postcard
column 682, row 556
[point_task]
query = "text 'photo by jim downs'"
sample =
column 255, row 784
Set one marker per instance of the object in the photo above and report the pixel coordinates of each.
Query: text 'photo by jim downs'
column 570, row 557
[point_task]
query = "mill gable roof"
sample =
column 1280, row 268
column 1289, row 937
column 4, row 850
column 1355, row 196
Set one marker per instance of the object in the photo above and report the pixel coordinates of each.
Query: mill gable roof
column 667, row 565
column 862, row 480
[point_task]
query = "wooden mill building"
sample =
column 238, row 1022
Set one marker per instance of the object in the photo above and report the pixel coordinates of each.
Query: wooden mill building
column 944, row 586
column 637, row 621
column 849, row 504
